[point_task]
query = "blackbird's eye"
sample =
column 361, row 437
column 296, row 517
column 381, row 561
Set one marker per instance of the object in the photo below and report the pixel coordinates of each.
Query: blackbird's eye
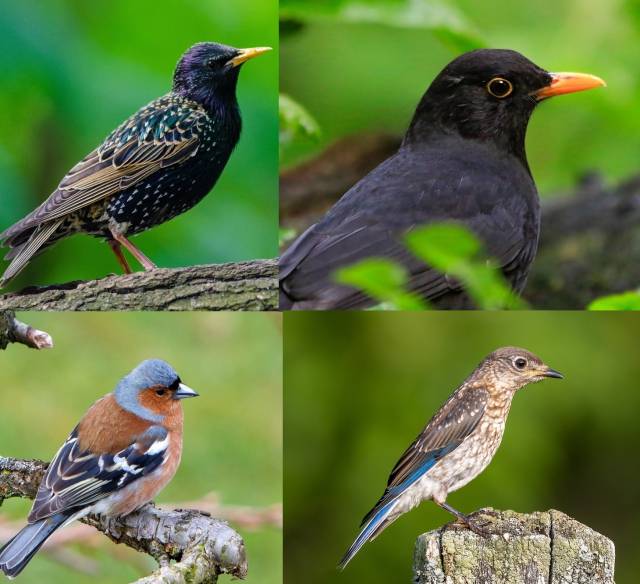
column 520, row 363
column 160, row 392
column 499, row 87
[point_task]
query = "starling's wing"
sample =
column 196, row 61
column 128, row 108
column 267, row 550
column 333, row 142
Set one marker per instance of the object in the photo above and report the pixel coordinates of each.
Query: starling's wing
column 456, row 420
column 164, row 133
column 408, row 190
column 76, row 479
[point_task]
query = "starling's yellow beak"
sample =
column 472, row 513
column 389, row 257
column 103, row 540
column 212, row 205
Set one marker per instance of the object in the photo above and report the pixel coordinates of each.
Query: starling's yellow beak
column 548, row 372
column 568, row 83
column 246, row 54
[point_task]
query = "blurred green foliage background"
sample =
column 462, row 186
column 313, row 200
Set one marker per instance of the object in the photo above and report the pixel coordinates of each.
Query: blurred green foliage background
column 73, row 70
column 233, row 431
column 362, row 65
column 359, row 387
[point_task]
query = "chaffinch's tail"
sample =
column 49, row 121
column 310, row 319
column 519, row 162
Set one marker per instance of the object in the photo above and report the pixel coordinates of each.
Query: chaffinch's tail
column 15, row 555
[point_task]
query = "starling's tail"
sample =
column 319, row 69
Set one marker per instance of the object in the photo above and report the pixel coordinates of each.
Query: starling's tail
column 374, row 526
column 19, row 550
column 23, row 252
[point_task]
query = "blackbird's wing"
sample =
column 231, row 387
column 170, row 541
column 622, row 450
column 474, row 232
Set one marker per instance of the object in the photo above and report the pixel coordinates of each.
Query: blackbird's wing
column 76, row 479
column 163, row 133
column 454, row 422
column 407, row 190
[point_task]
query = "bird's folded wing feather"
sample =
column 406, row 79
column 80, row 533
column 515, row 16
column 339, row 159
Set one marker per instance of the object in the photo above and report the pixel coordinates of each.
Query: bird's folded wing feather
column 76, row 478
column 373, row 218
column 160, row 135
column 454, row 422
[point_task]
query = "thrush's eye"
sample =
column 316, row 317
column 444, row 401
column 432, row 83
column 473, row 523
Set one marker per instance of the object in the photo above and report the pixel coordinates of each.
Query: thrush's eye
column 520, row 363
column 160, row 392
column 499, row 87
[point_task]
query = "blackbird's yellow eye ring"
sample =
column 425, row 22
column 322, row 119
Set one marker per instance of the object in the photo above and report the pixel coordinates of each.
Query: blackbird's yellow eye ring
column 500, row 87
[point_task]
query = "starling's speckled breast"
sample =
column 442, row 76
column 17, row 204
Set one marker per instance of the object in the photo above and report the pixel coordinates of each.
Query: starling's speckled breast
column 173, row 189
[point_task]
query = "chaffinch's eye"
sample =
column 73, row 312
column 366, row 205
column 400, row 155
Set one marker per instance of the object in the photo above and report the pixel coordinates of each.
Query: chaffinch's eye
column 499, row 87
column 160, row 392
column 520, row 363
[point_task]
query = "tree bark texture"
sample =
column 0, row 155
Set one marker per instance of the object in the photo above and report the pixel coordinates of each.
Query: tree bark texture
column 537, row 548
column 241, row 286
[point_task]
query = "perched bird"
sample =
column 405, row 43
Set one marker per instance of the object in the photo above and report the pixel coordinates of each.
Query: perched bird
column 158, row 164
column 462, row 160
column 123, row 452
column 457, row 444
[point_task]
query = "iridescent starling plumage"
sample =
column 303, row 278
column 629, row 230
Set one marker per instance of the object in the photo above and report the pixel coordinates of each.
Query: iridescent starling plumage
column 157, row 164
column 457, row 444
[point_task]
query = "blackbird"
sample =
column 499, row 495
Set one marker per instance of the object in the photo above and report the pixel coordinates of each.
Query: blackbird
column 159, row 163
column 463, row 160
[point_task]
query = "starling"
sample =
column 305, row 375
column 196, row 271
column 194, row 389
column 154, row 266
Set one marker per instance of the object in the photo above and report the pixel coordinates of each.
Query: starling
column 158, row 164
column 462, row 160
column 457, row 444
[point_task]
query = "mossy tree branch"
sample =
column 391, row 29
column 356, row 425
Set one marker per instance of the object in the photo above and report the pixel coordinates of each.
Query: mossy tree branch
column 202, row 547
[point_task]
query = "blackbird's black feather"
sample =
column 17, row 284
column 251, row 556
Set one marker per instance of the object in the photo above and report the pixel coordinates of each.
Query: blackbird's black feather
column 462, row 159
column 157, row 164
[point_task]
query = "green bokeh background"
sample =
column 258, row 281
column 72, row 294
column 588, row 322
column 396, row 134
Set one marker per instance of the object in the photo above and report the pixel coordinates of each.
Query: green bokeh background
column 360, row 387
column 356, row 77
column 73, row 70
column 233, row 431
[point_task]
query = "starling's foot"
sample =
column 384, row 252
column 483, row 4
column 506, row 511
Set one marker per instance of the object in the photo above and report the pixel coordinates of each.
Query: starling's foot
column 144, row 261
column 479, row 527
column 115, row 248
column 490, row 512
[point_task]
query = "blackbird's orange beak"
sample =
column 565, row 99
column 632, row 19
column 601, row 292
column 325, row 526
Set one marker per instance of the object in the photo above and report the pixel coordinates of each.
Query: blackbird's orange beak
column 568, row 83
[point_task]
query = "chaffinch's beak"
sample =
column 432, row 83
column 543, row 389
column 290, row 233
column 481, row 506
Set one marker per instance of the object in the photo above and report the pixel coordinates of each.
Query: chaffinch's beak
column 553, row 373
column 184, row 391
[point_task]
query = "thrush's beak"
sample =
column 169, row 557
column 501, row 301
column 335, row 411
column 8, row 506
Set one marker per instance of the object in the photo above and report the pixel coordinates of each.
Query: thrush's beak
column 184, row 391
column 246, row 54
column 568, row 83
column 553, row 373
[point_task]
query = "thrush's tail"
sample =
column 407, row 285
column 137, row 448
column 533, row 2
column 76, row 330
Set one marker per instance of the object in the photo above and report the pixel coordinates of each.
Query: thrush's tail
column 19, row 550
column 371, row 528
column 22, row 253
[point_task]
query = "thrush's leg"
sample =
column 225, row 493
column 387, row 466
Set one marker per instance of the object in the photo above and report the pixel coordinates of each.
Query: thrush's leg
column 144, row 261
column 115, row 248
column 464, row 519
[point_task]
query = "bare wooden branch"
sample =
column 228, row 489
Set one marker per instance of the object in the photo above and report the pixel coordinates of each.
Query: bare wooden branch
column 14, row 331
column 542, row 547
column 240, row 286
column 590, row 240
column 202, row 547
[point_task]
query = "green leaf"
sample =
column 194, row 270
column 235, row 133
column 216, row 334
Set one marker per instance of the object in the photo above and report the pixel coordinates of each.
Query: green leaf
column 625, row 301
column 438, row 16
column 382, row 280
column 295, row 121
column 453, row 250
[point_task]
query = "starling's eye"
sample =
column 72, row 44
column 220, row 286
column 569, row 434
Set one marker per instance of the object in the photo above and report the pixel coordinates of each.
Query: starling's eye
column 213, row 63
column 520, row 363
column 160, row 392
column 499, row 87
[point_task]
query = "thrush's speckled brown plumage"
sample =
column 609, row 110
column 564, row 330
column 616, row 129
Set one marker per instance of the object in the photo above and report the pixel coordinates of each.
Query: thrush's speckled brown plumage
column 462, row 159
column 457, row 444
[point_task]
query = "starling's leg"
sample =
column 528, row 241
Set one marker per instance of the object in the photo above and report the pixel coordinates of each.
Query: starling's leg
column 145, row 262
column 464, row 519
column 115, row 248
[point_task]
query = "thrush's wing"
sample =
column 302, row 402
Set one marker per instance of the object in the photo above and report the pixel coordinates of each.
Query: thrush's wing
column 77, row 478
column 408, row 190
column 163, row 133
column 456, row 420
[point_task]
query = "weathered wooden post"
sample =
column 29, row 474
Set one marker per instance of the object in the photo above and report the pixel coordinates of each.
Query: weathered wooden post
column 538, row 548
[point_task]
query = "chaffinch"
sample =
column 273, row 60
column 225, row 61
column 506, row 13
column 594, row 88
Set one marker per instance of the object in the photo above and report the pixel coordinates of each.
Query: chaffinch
column 125, row 449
